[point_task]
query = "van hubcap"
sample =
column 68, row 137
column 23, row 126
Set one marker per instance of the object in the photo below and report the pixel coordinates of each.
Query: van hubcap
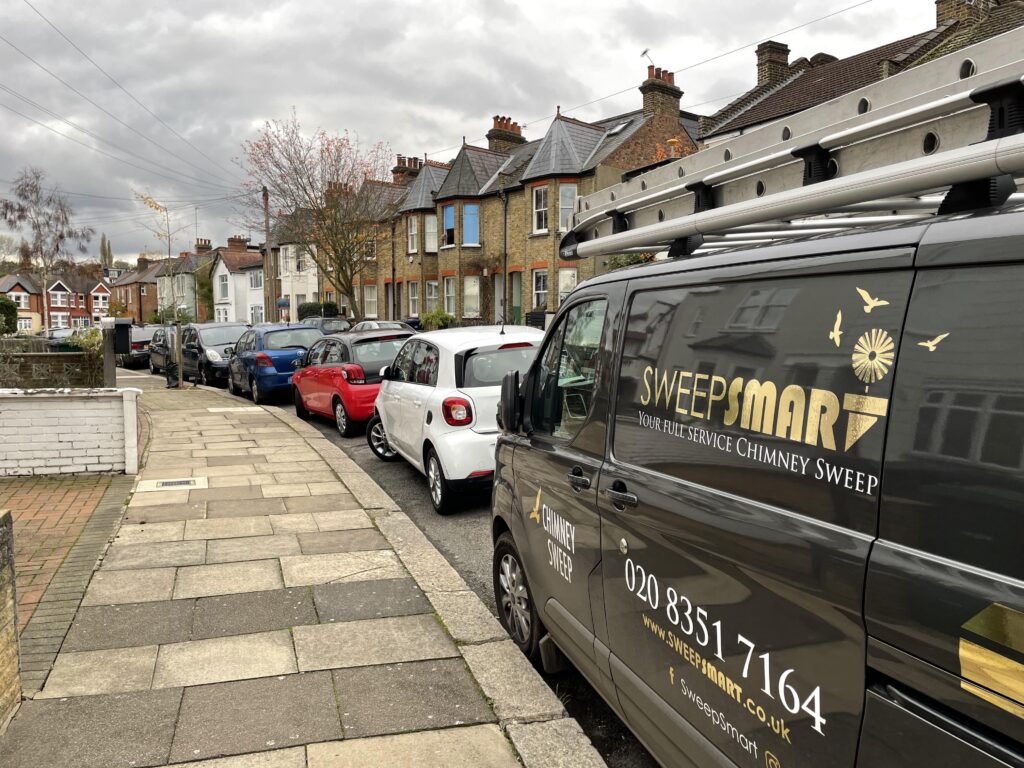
column 515, row 601
column 380, row 440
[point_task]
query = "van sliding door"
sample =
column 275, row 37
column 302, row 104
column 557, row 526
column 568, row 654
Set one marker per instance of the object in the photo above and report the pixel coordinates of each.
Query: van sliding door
column 740, row 504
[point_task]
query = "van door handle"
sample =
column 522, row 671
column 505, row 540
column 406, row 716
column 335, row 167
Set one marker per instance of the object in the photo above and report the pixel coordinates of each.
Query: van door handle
column 621, row 498
column 578, row 480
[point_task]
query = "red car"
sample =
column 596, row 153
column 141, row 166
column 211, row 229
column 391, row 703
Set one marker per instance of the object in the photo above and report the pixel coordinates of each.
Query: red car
column 340, row 375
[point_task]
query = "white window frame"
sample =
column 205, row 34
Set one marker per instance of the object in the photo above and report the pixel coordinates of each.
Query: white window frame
column 100, row 300
column 19, row 298
column 255, row 313
column 58, row 298
column 476, row 241
column 564, row 286
column 413, row 292
column 222, row 286
column 566, row 208
column 449, row 295
column 370, row 300
column 256, row 279
column 60, row 319
column 471, row 296
column 536, row 293
column 24, row 323
column 413, row 233
column 539, row 210
column 430, row 233
column 142, row 289
column 431, row 295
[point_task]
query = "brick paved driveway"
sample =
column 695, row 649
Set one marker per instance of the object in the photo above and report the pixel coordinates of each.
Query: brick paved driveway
column 49, row 515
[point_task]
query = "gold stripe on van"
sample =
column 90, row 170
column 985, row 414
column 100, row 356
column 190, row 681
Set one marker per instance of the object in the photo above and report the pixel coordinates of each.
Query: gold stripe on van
column 986, row 661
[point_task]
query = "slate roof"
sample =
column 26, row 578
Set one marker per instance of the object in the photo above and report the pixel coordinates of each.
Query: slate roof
column 565, row 148
column 510, row 174
column 422, row 189
column 7, row 282
column 148, row 275
column 812, row 84
column 471, row 170
column 183, row 264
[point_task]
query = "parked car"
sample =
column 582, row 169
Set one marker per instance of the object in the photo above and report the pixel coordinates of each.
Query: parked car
column 262, row 361
column 437, row 404
column 328, row 324
column 340, row 376
column 382, row 325
column 771, row 497
column 141, row 337
column 162, row 348
column 203, row 346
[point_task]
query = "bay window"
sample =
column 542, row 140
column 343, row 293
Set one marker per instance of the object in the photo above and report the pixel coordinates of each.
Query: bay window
column 470, row 224
column 540, row 209
column 566, row 206
column 412, row 228
column 448, row 214
column 471, row 296
column 449, row 295
column 430, row 295
column 430, row 233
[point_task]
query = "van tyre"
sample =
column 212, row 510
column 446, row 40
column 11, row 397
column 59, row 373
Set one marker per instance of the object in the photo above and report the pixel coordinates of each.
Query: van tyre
column 377, row 439
column 300, row 407
column 440, row 489
column 341, row 419
column 516, row 609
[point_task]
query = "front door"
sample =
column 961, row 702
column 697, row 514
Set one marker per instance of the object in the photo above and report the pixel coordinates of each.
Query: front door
column 499, row 298
column 517, row 297
column 739, row 507
column 557, row 477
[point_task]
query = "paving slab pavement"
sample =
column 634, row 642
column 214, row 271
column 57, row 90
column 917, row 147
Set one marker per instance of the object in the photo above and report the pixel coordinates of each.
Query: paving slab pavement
column 277, row 610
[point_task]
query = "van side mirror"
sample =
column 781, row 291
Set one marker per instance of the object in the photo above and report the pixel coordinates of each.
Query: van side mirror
column 385, row 373
column 510, row 409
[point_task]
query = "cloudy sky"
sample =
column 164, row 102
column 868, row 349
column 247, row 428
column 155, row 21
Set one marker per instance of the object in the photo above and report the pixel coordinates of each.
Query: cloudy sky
column 417, row 75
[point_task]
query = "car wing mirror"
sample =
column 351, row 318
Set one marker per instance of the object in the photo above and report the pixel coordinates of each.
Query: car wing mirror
column 229, row 351
column 385, row 373
column 510, row 405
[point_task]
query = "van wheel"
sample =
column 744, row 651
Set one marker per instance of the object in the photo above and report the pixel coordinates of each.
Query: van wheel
column 341, row 419
column 300, row 407
column 516, row 610
column 377, row 439
column 440, row 489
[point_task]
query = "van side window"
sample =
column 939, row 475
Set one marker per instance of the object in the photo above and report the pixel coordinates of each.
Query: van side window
column 775, row 390
column 954, row 466
column 568, row 372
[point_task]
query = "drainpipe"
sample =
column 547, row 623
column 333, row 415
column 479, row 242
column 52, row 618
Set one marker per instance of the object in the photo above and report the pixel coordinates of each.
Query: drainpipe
column 504, row 254
column 394, row 297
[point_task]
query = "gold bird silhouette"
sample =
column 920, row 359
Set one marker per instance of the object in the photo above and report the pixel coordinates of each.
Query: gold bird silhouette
column 535, row 514
column 870, row 303
column 931, row 345
column 835, row 333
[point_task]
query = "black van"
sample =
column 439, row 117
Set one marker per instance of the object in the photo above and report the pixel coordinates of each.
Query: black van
column 771, row 502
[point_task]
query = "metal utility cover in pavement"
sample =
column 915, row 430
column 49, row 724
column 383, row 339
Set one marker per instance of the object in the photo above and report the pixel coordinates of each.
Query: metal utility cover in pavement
column 173, row 484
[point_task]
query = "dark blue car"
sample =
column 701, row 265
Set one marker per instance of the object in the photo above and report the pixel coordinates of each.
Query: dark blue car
column 263, row 359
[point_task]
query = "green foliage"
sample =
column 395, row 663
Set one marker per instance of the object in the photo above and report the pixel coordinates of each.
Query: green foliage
column 167, row 316
column 308, row 309
column 620, row 260
column 330, row 309
column 154, row 319
column 8, row 316
column 436, row 320
column 204, row 288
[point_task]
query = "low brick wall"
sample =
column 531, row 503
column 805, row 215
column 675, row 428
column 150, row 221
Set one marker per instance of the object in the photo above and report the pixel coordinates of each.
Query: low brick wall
column 63, row 431
column 10, row 681
column 50, row 369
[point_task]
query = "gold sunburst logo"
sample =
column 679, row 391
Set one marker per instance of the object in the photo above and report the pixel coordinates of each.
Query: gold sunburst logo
column 873, row 355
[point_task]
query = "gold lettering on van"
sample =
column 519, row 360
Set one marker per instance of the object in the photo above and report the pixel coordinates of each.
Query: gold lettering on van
column 799, row 414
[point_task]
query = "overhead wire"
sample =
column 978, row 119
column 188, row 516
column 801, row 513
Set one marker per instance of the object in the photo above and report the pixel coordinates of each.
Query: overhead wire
column 125, row 90
column 683, row 69
column 97, row 137
column 111, row 115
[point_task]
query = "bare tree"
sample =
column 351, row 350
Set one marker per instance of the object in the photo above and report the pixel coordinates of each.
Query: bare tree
column 327, row 195
column 44, row 216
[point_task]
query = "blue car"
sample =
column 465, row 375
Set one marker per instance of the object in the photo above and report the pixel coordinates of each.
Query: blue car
column 262, row 361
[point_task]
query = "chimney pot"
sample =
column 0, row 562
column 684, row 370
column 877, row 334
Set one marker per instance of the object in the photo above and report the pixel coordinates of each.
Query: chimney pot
column 650, row 71
column 670, row 78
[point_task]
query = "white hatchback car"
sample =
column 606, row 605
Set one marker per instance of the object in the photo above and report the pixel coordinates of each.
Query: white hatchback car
column 438, row 401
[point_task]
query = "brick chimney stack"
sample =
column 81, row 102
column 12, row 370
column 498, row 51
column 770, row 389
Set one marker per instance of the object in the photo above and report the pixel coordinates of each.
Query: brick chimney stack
column 406, row 169
column 967, row 12
column 772, row 63
column 142, row 263
column 203, row 245
column 661, row 95
column 236, row 244
column 504, row 135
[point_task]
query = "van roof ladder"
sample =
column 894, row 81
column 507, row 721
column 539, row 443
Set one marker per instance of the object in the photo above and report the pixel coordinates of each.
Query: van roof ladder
column 943, row 137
